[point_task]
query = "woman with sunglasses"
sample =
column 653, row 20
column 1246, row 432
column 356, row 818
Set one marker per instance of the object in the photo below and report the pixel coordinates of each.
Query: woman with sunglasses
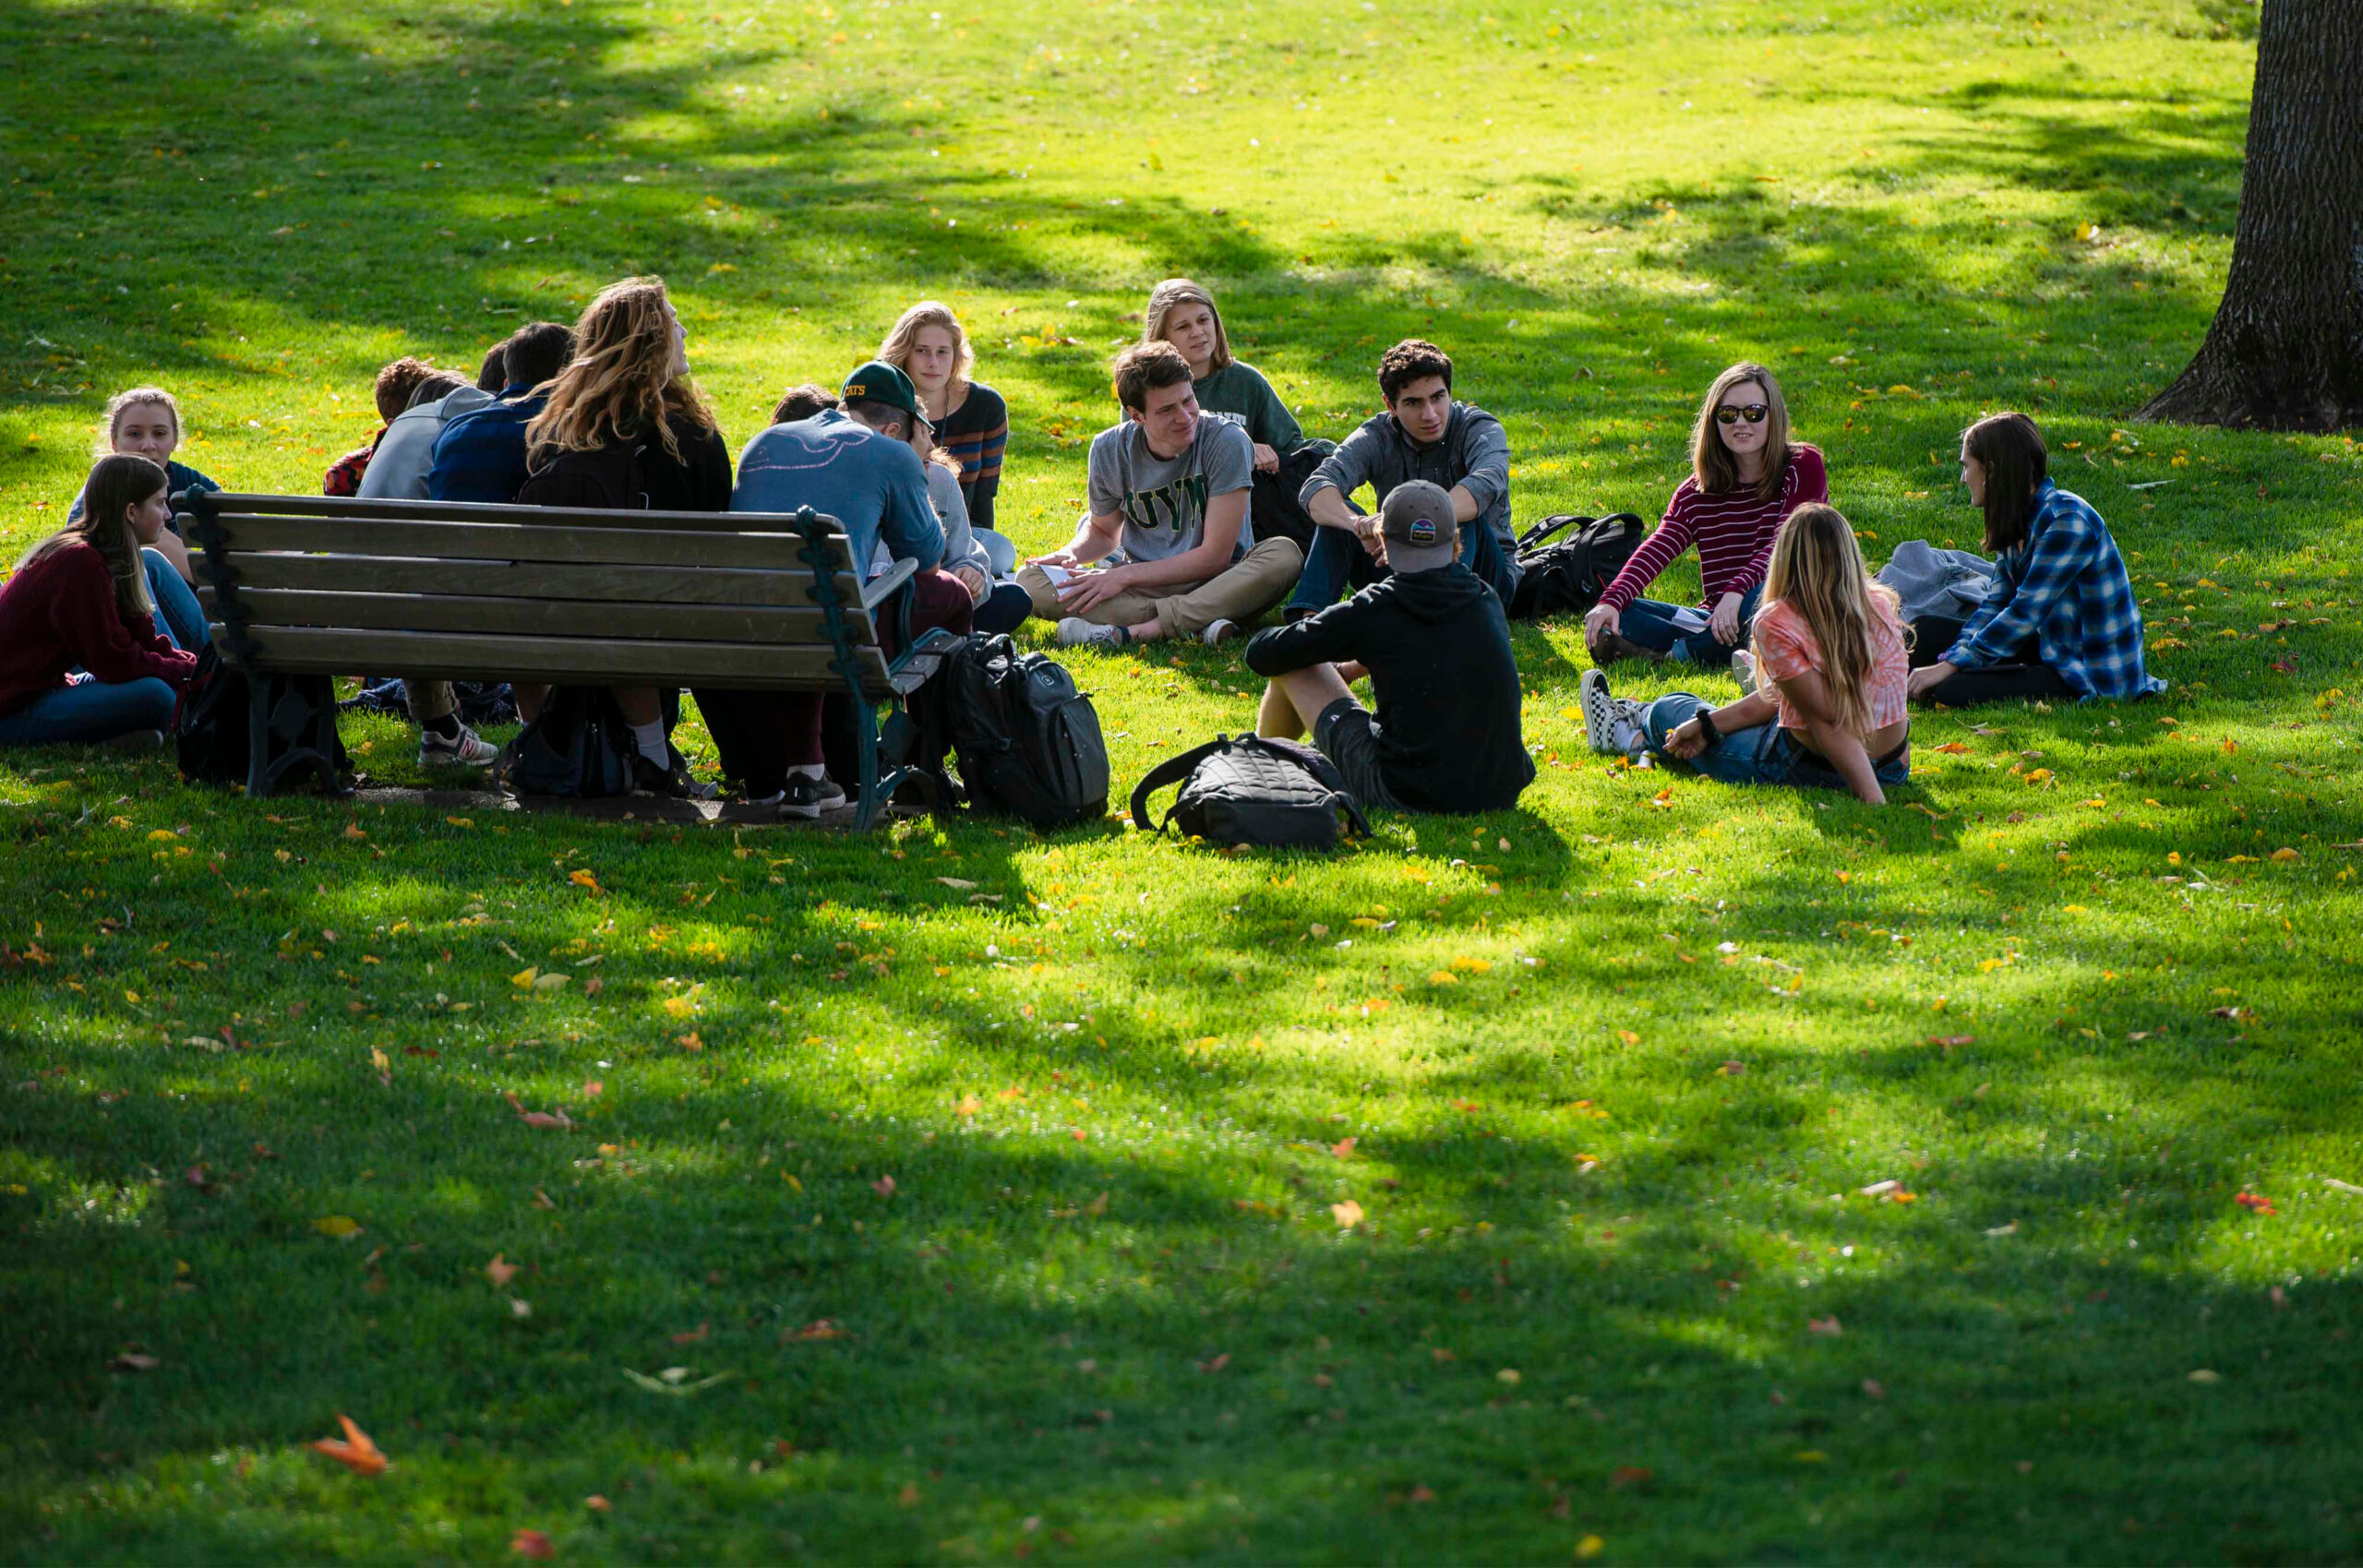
column 1746, row 477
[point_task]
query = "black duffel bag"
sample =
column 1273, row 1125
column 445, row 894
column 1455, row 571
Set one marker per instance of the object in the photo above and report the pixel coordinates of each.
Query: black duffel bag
column 1275, row 794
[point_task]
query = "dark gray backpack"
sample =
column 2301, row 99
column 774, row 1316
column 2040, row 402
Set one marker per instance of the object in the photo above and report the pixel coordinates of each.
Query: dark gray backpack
column 1277, row 794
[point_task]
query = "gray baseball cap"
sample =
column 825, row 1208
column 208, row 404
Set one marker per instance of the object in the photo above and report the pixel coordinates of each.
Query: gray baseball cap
column 1417, row 523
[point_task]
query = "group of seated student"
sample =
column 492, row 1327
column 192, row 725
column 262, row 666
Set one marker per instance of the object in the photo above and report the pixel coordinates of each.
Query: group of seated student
column 98, row 626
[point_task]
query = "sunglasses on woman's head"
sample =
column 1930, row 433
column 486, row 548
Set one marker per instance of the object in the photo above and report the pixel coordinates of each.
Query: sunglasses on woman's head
column 1731, row 414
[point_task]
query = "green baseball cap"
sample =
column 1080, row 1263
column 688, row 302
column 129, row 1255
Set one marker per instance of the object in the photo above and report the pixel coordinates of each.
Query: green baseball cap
column 879, row 382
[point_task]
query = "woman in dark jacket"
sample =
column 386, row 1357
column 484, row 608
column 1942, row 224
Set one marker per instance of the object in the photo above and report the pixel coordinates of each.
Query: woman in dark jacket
column 625, row 404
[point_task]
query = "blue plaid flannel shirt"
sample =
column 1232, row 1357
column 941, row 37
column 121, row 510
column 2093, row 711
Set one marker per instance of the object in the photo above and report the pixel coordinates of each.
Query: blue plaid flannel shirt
column 2065, row 589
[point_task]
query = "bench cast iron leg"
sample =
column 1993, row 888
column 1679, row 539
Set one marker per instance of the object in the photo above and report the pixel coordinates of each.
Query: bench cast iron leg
column 258, row 770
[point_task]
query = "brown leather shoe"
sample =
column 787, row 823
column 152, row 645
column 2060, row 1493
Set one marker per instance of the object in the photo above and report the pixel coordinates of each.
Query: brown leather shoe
column 1613, row 648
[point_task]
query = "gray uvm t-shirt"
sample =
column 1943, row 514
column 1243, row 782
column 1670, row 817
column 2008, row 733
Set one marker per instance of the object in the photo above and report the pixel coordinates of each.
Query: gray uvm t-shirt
column 1163, row 500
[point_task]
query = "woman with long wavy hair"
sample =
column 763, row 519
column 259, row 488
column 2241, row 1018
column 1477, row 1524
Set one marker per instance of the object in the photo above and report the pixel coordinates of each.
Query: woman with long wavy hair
column 928, row 344
column 1745, row 476
column 623, row 415
column 1829, row 673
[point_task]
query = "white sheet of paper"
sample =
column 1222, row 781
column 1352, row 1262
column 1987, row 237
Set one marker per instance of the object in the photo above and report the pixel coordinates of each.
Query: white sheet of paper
column 1058, row 575
column 1689, row 622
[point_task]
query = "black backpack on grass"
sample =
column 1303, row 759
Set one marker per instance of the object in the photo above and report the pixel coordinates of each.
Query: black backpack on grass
column 1029, row 742
column 1569, row 578
column 1273, row 794
column 213, row 723
column 579, row 747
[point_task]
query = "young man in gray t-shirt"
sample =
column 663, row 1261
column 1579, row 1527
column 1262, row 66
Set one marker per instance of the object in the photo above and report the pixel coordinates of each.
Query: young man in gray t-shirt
column 1169, row 488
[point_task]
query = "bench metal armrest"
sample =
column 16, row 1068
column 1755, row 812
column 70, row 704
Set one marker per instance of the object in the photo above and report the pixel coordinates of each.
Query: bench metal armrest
column 886, row 581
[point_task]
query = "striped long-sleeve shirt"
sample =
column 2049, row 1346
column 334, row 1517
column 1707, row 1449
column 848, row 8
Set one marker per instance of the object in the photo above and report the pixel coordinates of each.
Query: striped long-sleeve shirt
column 1733, row 531
column 975, row 434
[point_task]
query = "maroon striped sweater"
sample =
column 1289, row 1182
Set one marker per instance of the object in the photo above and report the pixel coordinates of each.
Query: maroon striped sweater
column 1733, row 531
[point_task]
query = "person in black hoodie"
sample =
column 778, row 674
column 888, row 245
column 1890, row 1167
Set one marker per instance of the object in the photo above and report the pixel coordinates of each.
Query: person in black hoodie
column 1436, row 645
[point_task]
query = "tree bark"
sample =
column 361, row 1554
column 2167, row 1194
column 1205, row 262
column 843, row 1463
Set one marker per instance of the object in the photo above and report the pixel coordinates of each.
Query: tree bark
column 2285, row 349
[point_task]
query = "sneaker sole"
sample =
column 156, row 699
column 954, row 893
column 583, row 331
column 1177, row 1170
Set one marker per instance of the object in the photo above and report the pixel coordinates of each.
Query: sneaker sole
column 1599, row 716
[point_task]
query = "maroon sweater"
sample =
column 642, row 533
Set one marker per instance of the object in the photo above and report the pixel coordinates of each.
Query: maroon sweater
column 59, row 614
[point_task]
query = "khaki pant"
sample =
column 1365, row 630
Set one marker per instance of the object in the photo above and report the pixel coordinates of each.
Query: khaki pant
column 429, row 700
column 1256, row 582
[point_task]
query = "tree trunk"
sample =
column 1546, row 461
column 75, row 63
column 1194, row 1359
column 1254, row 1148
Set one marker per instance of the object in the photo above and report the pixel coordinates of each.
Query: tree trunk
column 2286, row 350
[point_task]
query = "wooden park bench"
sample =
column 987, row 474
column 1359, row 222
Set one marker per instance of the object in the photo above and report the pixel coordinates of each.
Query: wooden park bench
column 314, row 585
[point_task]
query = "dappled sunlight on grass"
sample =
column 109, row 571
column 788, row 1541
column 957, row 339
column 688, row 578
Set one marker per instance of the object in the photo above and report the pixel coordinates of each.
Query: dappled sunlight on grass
column 1500, row 1184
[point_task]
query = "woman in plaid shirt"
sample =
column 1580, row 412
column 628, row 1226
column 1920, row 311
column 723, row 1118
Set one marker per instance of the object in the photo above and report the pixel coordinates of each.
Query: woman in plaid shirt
column 2060, row 621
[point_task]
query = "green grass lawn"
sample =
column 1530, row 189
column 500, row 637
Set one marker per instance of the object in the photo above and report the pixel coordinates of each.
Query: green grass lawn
column 1494, row 1193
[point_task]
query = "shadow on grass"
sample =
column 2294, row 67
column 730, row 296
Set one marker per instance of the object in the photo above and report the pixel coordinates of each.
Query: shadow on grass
column 1191, row 1339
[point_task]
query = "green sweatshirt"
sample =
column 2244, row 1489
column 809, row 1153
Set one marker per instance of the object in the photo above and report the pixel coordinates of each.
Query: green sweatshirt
column 1239, row 394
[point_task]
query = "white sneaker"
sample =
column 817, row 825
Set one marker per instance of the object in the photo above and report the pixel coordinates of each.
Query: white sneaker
column 809, row 795
column 1743, row 669
column 1077, row 632
column 465, row 749
column 1218, row 633
column 1611, row 725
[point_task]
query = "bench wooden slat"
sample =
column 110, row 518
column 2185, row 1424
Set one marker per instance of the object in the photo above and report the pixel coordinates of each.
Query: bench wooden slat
column 525, row 580
column 518, row 542
column 767, row 625
column 576, row 660
column 343, row 513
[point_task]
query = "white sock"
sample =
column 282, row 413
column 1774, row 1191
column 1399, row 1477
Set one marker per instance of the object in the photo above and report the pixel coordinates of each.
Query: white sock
column 650, row 738
column 808, row 769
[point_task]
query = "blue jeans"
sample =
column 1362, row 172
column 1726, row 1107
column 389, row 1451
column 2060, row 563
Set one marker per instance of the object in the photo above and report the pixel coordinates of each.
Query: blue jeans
column 1763, row 754
column 93, row 710
column 1650, row 624
column 178, row 614
column 1335, row 558
column 1003, row 609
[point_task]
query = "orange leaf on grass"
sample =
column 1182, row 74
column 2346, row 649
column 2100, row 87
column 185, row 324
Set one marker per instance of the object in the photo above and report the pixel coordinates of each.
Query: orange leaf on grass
column 354, row 1451
column 531, row 1543
column 1823, row 1325
column 1343, row 1148
column 884, row 1186
column 498, row 1271
column 819, row 1329
column 692, row 1337
column 1952, row 749
column 1348, row 1213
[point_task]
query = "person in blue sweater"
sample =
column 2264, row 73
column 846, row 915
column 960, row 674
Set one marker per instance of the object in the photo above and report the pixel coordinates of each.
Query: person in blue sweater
column 480, row 455
column 854, row 462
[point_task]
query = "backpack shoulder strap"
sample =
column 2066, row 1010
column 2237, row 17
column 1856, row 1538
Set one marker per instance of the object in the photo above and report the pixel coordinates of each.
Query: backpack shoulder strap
column 1173, row 770
column 1550, row 527
column 1353, row 810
